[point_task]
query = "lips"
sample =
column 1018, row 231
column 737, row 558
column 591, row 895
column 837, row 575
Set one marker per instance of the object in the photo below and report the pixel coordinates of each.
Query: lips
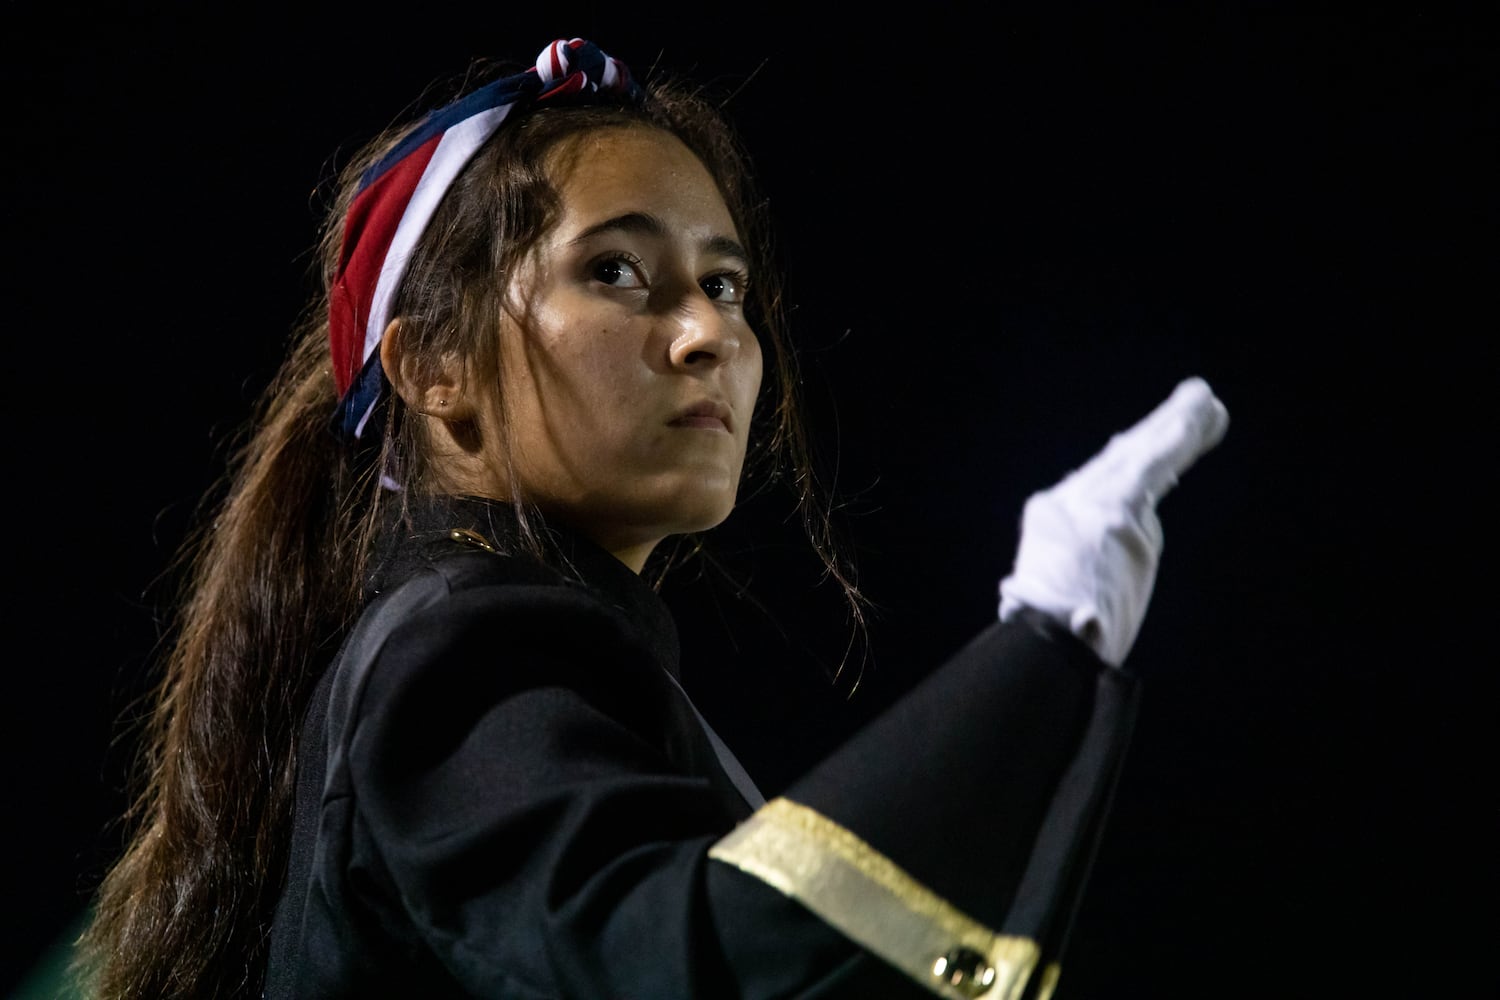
column 707, row 415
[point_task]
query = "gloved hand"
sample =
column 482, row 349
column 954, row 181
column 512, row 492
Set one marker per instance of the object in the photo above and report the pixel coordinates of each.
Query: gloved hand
column 1090, row 545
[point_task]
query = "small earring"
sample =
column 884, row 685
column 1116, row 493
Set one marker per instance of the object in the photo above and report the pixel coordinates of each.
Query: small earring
column 442, row 402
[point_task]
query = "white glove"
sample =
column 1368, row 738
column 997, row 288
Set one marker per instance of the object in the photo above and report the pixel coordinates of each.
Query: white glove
column 1090, row 545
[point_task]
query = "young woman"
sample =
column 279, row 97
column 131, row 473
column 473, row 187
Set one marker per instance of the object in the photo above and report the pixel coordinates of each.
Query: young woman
column 420, row 733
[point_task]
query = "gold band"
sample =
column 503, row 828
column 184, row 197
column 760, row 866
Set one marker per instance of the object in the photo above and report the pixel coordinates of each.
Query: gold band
column 872, row 901
column 1048, row 982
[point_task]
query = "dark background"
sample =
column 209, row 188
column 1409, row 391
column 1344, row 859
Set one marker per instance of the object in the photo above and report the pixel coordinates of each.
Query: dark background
column 1007, row 236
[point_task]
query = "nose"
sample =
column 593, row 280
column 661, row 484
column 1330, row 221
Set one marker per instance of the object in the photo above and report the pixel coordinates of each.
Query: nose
column 702, row 336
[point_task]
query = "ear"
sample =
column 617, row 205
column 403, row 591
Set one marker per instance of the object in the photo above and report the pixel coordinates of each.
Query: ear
column 428, row 386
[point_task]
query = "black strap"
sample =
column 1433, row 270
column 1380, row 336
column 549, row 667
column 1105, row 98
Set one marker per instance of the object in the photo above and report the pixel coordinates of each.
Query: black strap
column 732, row 767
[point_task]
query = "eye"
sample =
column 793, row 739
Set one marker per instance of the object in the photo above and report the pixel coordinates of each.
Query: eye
column 618, row 271
column 726, row 286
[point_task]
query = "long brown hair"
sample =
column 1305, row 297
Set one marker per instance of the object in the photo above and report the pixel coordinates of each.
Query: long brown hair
column 273, row 575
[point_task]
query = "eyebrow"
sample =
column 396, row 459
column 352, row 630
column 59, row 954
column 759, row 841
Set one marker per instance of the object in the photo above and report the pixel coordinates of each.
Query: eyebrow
column 647, row 224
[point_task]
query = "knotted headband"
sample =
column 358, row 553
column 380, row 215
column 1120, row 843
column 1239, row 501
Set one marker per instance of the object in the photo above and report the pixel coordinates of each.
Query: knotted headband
column 398, row 195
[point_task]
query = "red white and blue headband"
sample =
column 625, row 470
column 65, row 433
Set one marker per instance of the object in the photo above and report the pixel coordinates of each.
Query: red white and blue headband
column 397, row 196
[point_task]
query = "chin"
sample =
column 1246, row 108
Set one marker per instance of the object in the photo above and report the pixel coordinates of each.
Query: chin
column 703, row 516
column 680, row 512
column 701, row 503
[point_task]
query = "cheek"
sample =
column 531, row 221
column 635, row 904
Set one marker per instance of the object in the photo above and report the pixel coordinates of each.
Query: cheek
column 754, row 369
column 588, row 360
column 606, row 373
column 596, row 396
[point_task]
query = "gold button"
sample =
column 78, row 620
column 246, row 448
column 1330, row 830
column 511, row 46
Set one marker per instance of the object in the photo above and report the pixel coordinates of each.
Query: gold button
column 966, row 971
column 471, row 537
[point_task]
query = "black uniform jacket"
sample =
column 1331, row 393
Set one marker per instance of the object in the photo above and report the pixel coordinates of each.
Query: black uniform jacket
column 504, row 792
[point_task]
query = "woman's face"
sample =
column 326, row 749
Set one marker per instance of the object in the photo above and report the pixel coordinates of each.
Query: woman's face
column 629, row 372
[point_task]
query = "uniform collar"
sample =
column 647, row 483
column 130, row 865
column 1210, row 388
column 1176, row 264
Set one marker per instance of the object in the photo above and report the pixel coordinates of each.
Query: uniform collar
column 424, row 535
